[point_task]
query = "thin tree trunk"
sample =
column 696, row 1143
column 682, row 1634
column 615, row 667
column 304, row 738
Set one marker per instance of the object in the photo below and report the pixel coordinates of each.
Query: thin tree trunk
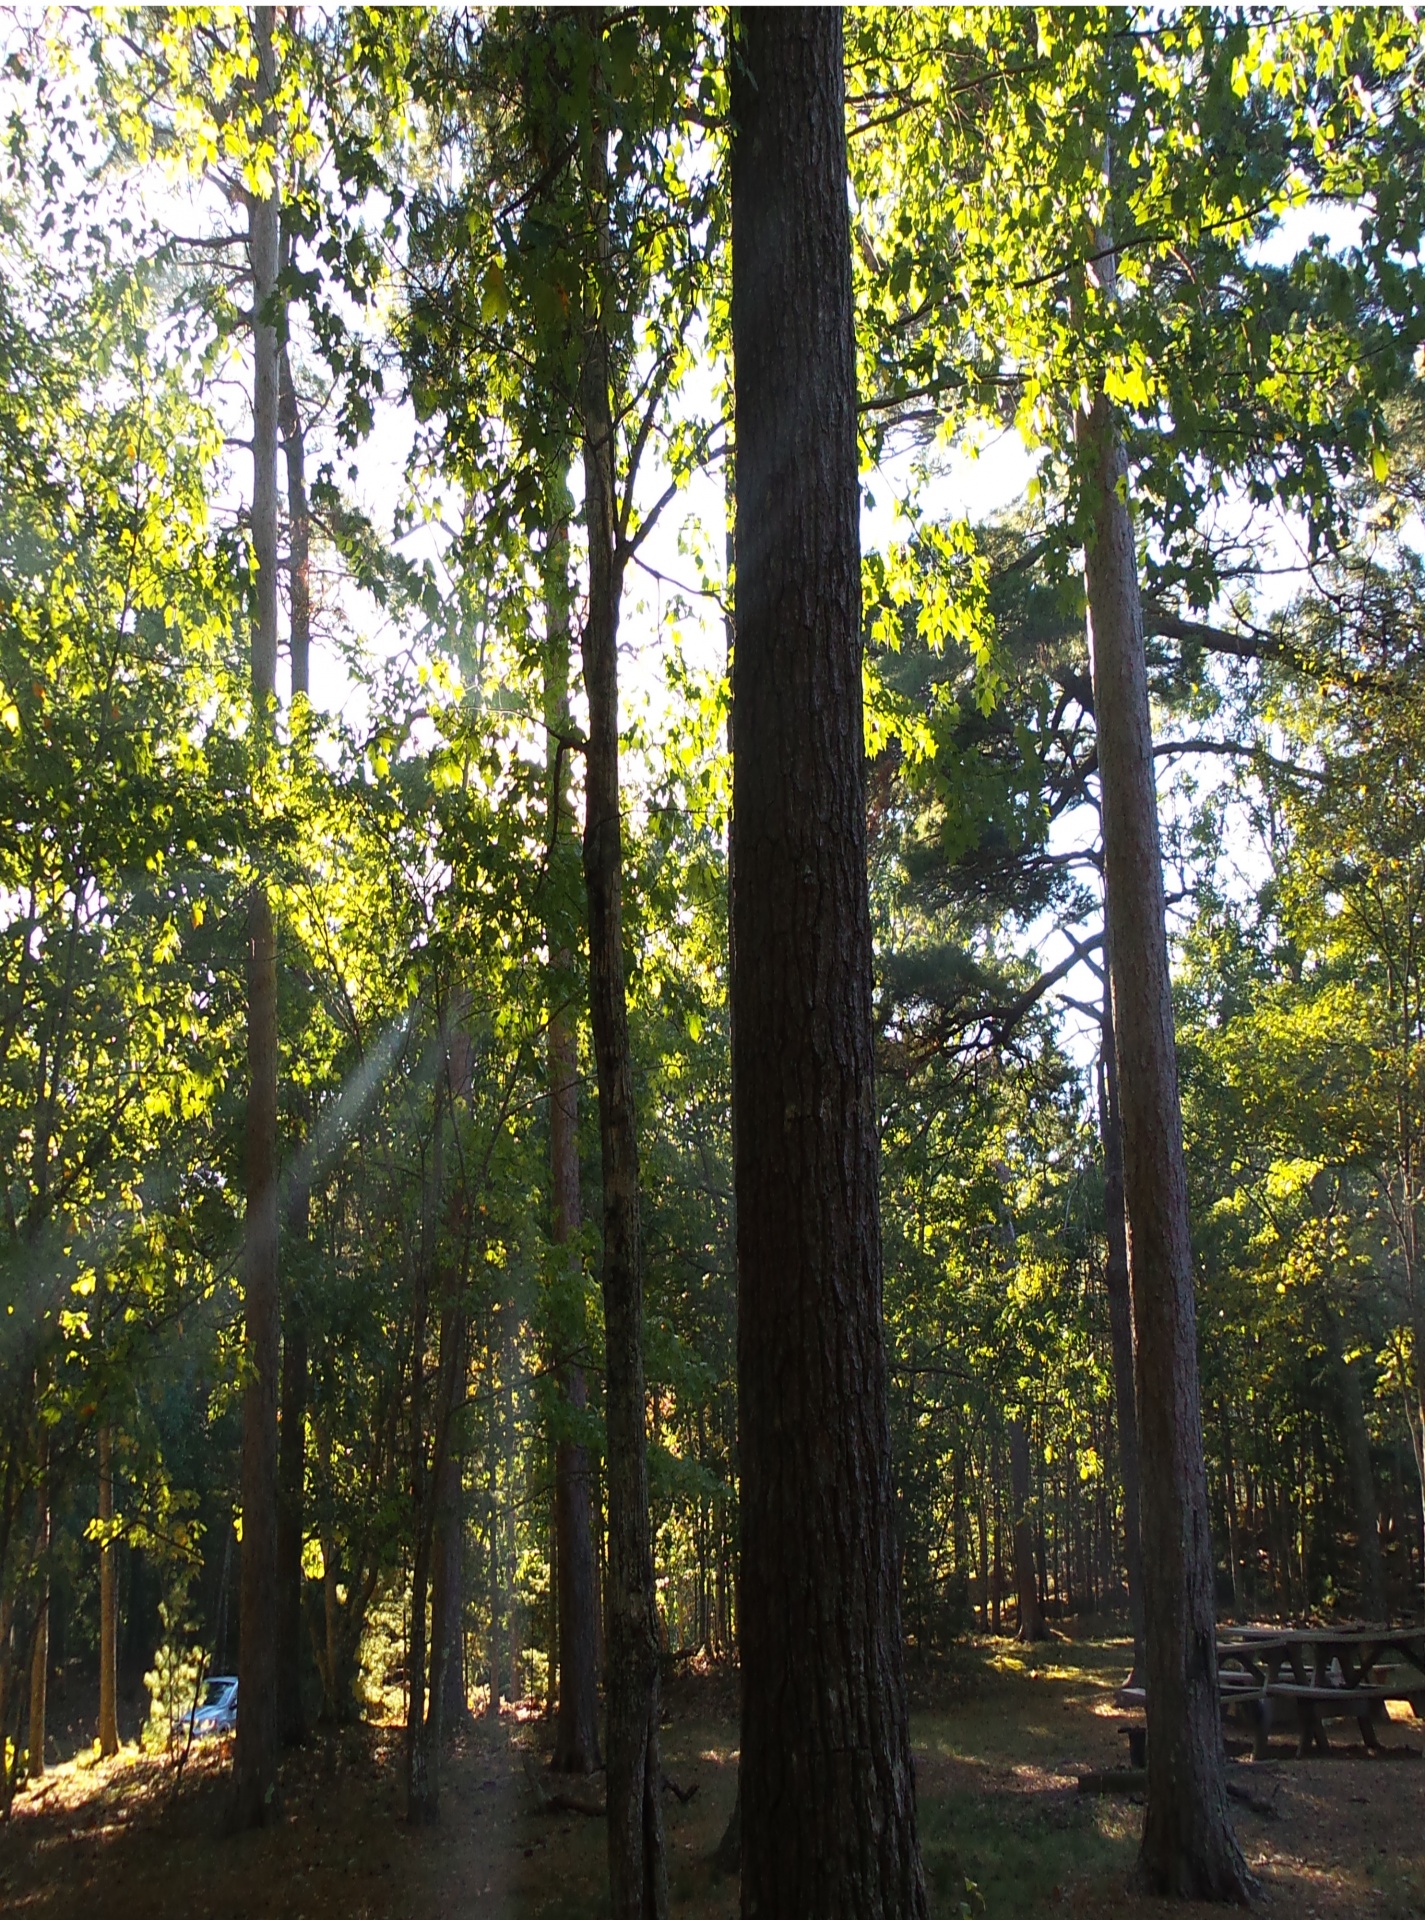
column 1189, row 1848
column 448, row 1708
column 997, row 1591
column 291, row 1466
column 422, row 1785
column 492, row 1705
column 256, row 1745
column 443, row 1523
column 39, row 1655
column 39, row 1688
column 108, row 1604
column 1229, row 1495
column 9, row 1753
column 291, row 1474
column 638, row 1876
column 1026, row 1574
column 1120, row 1325
column 1358, row 1460
column 514, row 1623
column 960, row 1519
column 299, row 530
column 422, row 1753
column 828, row 1793
column 551, row 1618
column 576, row 1748
column 576, row 1740
column 982, row 1521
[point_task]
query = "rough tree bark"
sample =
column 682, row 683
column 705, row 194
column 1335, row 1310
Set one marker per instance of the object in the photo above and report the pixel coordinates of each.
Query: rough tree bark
column 638, row 1876
column 256, row 1746
column 1026, row 1576
column 827, row 1790
column 292, row 1443
column 108, row 1604
column 1189, row 1849
column 1120, row 1327
column 576, row 1740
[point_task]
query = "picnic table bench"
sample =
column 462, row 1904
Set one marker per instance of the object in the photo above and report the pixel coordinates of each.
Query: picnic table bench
column 1321, row 1671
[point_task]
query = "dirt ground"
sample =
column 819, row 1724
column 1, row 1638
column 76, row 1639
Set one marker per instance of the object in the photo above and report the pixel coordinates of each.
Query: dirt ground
column 1000, row 1735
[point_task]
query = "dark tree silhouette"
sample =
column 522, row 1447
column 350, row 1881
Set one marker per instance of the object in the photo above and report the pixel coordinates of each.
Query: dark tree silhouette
column 638, row 1876
column 828, row 1797
column 256, row 1745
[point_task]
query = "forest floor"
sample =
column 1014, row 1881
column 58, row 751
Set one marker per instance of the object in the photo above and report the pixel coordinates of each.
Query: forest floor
column 1000, row 1734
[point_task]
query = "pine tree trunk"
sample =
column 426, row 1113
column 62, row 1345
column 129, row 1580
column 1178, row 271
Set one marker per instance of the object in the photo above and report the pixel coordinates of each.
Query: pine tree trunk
column 638, row 1876
column 1358, row 1460
column 1120, row 1327
column 576, row 1748
column 299, row 526
column 292, row 1442
column 39, row 1654
column 439, row 1520
column 108, row 1604
column 827, row 1789
column 1026, row 1574
column 256, row 1745
column 492, row 1705
column 1189, row 1849
column 422, row 1757
column 448, row 1708
column 514, row 1623
column 291, row 1475
column 39, row 1687
column 422, row 1752
column 998, row 1589
column 576, row 1740
column 1229, row 1497
column 9, row 1760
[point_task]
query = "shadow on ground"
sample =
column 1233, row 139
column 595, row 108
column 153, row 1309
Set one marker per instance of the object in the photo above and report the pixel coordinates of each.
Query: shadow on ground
column 1001, row 1733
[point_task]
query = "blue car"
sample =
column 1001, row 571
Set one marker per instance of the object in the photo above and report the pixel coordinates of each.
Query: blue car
column 216, row 1712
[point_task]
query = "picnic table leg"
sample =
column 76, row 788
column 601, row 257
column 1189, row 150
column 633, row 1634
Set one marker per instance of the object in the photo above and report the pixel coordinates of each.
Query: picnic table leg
column 1356, row 1672
column 1312, row 1736
column 1303, row 1707
column 1262, row 1731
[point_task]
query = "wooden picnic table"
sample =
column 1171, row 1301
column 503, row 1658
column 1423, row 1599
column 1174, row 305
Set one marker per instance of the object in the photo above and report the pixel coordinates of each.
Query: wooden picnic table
column 1321, row 1671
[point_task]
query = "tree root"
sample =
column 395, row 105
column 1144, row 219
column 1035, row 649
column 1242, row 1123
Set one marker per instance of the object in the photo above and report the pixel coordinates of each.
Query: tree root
column 560, row 1799
column 1135, row 1780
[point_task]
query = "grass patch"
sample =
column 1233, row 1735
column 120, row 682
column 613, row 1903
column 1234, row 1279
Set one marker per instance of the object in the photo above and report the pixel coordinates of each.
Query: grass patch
column 1018, row 1858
